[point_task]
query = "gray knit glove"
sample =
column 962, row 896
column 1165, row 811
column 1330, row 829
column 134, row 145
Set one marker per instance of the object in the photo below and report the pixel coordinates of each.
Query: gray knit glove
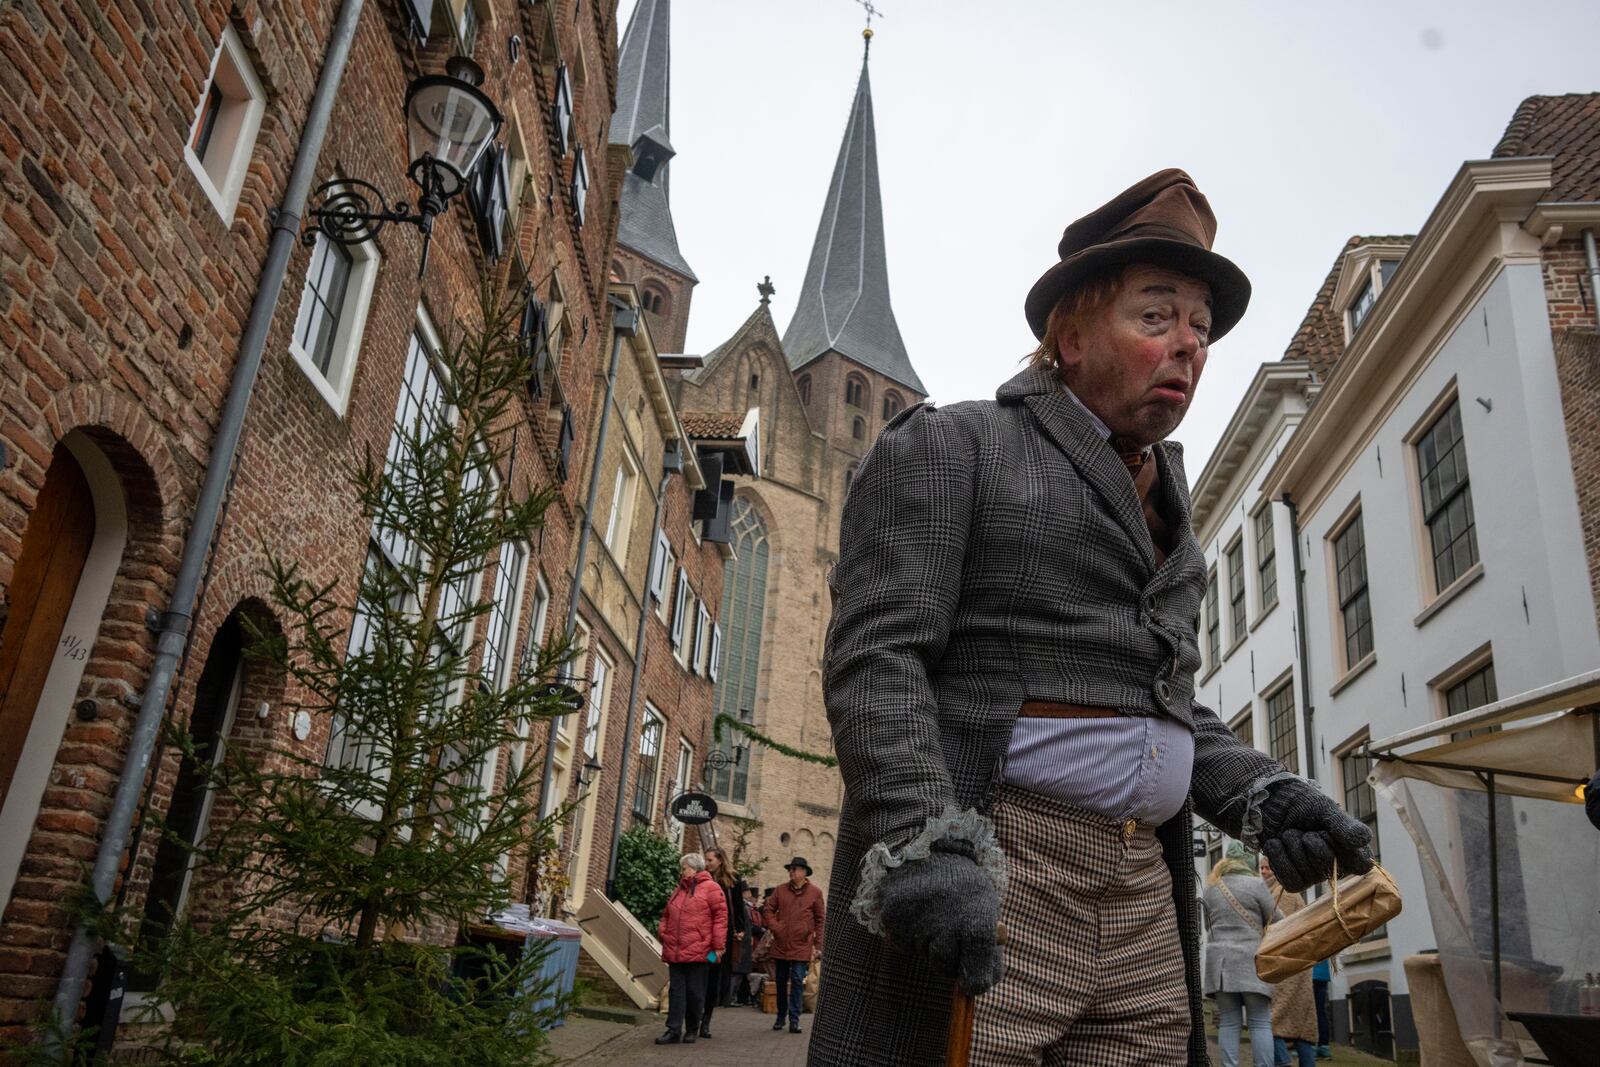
column 1303, row 832
column 945, row 909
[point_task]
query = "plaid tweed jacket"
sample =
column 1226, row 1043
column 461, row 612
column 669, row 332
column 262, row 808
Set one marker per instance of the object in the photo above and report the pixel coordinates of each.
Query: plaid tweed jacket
column 993, row 553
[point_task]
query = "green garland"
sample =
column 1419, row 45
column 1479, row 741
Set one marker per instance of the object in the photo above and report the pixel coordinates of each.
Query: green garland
column 766, row 742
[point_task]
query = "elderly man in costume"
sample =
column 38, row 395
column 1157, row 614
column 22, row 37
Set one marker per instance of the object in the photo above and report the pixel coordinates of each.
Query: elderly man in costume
column 1010, row 681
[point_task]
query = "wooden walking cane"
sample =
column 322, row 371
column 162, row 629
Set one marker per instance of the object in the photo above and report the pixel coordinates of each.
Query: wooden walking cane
column 963, row 1012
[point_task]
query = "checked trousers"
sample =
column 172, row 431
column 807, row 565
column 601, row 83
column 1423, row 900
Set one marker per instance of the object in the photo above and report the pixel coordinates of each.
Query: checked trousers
column 1094, row 970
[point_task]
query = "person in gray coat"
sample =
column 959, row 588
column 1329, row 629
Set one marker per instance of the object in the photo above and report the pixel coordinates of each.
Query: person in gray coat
column 1238, row 908
column 1009, row 677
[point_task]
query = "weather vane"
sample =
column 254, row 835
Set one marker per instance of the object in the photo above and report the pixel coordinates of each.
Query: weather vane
column 871, row 11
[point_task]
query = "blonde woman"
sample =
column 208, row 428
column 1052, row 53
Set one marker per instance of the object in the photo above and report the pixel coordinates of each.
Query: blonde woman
column 735, row 950
column 1238, row 909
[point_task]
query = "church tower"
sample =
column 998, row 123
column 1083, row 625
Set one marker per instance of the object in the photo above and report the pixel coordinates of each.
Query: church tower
column 647, row 241
column 843, row 344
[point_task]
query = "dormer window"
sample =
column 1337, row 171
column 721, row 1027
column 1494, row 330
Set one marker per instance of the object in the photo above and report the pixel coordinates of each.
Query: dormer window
column 1363, row 304
column 1366, row 270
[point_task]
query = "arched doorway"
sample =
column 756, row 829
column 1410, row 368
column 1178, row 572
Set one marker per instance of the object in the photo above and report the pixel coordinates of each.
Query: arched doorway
column 215, row 703
column 70, row 552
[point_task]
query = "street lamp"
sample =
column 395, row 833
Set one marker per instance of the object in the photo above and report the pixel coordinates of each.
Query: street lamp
column 449, row 122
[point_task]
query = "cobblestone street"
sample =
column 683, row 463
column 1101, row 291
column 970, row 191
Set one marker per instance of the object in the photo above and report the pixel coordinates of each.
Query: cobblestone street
column 742, row 1037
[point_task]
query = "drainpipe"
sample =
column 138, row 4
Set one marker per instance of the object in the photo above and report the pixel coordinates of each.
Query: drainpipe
column 673, row 462
column 173, row 624
column 1307, row 712
column 1594, row 274
column 624, row 323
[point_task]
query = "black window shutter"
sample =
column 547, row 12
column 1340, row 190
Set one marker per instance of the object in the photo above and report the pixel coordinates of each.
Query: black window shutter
column 534, row 342
column 719, row 528
column 706, row 500
column 488, row 194
column 565, row 446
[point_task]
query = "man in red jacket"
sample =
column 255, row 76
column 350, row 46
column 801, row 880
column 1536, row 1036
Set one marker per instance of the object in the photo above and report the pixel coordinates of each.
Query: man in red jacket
column 794, row 913
column 693, row 928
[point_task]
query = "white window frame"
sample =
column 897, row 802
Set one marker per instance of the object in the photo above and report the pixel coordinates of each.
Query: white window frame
column 536, row 624
column 619, row 524
column 599, row 696
column 511, row 613
column 680, row 605
column 563, row 108
column 334, row 386
column 652, row 718
column 682, row 777
column 245, row 102
column 580, row 183
column 714, row 663
column 702, row 634
column 663, row 567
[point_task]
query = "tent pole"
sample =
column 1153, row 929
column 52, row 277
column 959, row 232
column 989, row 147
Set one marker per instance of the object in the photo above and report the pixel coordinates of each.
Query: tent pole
column 1494, row 900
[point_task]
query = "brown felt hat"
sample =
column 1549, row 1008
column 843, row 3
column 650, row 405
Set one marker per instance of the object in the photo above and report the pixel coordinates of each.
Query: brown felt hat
column 1164, row 221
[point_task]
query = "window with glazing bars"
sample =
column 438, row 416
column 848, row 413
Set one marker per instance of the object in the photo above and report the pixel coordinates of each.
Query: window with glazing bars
column 1244, row 727
column 502, row 608
column 1473, row 691
column 1447, row 497
column 1359, row 799
column 744, row 605
column 322, row 302
column 1266, row 559
column 1236, row 591
column 1355, row 608
column 644, row 790
column 1361, row 803
column 1285, row 747
column 1213, row 623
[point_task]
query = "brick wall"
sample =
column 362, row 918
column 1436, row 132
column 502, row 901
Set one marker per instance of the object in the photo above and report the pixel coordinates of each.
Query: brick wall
column 122, row 299
column 1574, row 327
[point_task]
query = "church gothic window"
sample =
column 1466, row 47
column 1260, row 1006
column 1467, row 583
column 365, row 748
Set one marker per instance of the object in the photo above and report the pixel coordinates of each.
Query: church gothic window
column 858, row 428
column 744, row 602
column 855, row 391
column 892, row 405
column 805, row 389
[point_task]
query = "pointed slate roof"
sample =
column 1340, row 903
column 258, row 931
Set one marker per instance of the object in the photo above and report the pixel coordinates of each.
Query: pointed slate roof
column 644, row 114
column 844, row 304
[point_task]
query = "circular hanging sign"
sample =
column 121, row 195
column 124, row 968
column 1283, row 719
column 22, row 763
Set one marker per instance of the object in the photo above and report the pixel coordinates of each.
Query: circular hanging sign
column 564, row 695
column 693, row 809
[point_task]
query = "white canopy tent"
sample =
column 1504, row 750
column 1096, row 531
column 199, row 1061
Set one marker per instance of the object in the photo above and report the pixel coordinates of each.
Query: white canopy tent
column 1492, row 798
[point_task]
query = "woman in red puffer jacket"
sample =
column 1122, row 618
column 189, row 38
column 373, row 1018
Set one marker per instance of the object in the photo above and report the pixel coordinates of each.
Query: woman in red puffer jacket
column 694, row 929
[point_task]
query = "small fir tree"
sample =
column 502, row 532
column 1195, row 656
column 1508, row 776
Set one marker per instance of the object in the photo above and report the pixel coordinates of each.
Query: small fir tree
column 340, row 875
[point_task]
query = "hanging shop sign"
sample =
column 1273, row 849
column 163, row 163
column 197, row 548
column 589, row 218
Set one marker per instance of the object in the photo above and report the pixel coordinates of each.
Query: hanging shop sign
column 694, row 809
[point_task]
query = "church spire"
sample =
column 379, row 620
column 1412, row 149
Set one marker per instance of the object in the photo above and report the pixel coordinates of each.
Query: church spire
column 642, row 121
column 844, row 305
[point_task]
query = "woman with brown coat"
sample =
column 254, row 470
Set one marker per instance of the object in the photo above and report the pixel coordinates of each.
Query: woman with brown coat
column 1294, row 1007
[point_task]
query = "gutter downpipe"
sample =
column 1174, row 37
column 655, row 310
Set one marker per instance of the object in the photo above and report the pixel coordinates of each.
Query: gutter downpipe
column 173, row 633
column 1308, row 713
column 1594, row 274
column 624, row 323
column 633, row 687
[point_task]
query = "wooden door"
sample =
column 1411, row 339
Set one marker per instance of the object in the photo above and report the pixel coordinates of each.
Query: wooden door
column 54, row 549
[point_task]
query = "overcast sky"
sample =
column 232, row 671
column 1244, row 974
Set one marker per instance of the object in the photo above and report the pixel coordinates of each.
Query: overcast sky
column 1000, row 122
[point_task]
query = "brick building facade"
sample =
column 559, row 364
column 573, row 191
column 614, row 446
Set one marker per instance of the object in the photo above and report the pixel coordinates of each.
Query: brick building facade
column 145, row 148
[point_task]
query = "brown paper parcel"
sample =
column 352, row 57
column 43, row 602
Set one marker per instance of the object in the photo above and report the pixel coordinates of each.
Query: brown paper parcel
column 1328, row 925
